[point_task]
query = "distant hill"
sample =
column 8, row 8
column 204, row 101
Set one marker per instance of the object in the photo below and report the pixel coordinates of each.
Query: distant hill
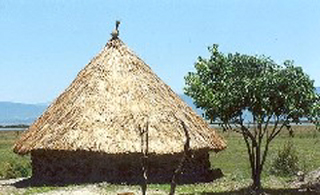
column 20, row 113
column 189, row 101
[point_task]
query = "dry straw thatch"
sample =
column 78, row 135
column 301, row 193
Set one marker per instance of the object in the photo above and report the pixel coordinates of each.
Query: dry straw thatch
column 107, row 107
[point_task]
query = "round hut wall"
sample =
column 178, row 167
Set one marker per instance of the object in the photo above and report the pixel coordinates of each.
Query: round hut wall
column 84, row 166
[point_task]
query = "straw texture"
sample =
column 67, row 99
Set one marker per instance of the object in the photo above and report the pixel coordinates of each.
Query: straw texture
column 107, row 107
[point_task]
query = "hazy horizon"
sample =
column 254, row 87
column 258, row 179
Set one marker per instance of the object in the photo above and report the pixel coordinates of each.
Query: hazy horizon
column 49, row 102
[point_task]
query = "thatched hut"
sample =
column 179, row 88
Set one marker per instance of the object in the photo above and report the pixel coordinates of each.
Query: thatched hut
column 116, row 111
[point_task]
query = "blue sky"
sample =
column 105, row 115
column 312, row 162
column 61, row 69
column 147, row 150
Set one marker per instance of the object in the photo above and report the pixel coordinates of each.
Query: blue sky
column 44, row 44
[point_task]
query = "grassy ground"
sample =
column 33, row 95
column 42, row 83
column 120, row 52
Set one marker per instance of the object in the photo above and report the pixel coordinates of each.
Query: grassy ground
column 233, row 162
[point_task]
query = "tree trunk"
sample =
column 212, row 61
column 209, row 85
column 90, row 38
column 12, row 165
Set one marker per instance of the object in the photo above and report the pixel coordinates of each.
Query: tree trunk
column 256, row 171
column 256, row 186
column 257, row 174
column 257, row 156
column 254, row 152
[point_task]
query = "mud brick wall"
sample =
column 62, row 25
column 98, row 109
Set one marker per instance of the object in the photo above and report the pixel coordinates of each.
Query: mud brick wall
column 83, row 166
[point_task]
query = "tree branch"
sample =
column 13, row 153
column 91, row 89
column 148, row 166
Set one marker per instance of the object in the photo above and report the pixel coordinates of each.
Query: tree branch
column 250, row 152
column 186, row 155
column 144, row 150
column 266, row 125
column 246, row 131
column 274, row 127
column 265, row 152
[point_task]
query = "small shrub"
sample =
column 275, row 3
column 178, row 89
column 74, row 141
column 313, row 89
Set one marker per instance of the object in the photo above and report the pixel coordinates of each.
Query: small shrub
column 7, row 171
column 15, row 169
column 286, row 163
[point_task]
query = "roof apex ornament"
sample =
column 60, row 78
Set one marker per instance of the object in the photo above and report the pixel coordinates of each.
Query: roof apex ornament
column 115, row 32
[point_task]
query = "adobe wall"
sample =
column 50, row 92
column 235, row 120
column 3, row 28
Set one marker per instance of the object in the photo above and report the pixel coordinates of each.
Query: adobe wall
column 83, row 166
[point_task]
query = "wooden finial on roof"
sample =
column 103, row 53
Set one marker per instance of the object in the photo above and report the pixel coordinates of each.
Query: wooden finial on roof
column 115, row 32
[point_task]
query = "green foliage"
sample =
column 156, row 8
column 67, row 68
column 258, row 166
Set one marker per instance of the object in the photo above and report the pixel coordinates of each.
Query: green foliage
column 286, row 163
column 315, row 114
column 11, row 164
column 15, row 169
column 226, row 85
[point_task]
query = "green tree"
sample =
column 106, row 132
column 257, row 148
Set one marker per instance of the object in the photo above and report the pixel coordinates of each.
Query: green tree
column 226, row 85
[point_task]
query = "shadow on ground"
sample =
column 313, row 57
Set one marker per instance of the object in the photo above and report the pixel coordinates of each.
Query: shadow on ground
column 246, row 191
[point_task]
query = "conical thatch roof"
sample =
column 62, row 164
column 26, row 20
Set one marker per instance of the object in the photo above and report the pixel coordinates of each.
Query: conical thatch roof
column 108, row 104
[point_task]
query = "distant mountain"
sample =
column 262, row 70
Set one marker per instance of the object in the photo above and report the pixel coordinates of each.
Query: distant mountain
column 318, row 90
column 20, row 113
column 189, row 101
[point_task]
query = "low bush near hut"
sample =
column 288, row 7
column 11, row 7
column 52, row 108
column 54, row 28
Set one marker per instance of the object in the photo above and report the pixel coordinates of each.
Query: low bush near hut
column 12, row 165
column 15, row 169
column 286, row 163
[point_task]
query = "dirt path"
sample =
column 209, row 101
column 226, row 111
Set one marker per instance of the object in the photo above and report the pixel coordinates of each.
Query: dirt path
column 8, row 187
